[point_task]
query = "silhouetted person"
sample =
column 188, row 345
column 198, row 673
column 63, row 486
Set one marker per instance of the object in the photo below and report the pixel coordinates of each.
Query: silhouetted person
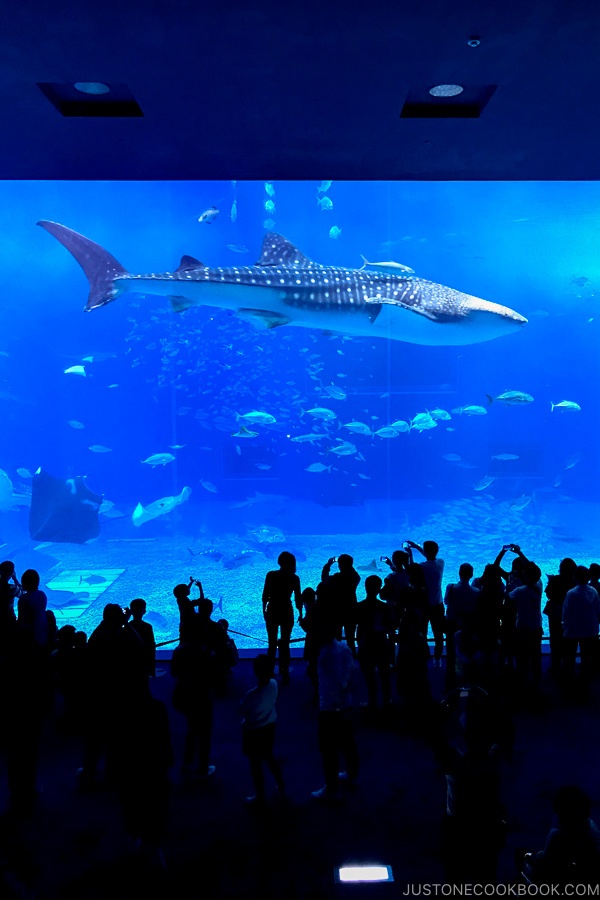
column 580, row 621
column 116, row 679
column 278, row 611
column 513, row 579
column 309, row 623
column 145, row 632
column 69, row 668
column 595, row 576
column 372, row 629
column 227, row 660
column 335, row 667
column 32, row 623
column 30, row 694
column 10, row 589
column 489, row 612
column 556, row 591
column 470, row 756
column 338, row 594
column 399, row 563
column 193, row 665
column 187, row 607
column 571, row 854
column 433, row 570
column 393, row 592
column 412, row 662
column 143, row 758
column 258, row 729
column 461, row 607
column 528, row 635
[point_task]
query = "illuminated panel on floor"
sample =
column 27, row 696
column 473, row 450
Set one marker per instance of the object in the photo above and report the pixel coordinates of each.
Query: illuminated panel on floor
column 363, row 874
column 81, row 587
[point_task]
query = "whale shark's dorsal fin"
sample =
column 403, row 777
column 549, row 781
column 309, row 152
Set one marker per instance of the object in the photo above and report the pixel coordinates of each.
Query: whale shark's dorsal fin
column 187, row 263
column 278, row 251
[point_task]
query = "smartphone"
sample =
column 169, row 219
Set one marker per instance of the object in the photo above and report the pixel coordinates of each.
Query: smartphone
column 382, row 558
column 334, row 558
column 507, row 546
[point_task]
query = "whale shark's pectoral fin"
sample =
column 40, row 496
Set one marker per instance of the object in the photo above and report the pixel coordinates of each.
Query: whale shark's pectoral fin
column 263, row 318
column 434, row 315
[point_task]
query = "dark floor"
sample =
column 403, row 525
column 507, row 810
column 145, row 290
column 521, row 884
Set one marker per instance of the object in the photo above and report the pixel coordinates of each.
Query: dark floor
column 74, row 845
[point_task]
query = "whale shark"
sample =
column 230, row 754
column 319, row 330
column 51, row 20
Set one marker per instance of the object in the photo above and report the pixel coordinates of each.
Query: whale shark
column 286, row 288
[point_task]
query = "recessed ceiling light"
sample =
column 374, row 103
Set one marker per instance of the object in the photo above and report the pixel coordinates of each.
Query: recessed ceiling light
column 446, row 90
column 92, row 87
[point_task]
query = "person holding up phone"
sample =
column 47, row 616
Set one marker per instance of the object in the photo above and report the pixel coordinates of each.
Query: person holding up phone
column 337, row 595
column 433, row 570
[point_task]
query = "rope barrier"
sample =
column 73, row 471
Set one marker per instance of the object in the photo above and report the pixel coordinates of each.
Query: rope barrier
column 230, row 631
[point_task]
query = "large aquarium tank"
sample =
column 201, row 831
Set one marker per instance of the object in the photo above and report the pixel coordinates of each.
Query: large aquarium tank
column 320, row 367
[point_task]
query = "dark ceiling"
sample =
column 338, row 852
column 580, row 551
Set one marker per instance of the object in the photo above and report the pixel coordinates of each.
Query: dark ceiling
column 275, row 89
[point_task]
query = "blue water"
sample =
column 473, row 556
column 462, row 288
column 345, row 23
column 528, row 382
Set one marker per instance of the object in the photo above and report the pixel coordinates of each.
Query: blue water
column 157, row 379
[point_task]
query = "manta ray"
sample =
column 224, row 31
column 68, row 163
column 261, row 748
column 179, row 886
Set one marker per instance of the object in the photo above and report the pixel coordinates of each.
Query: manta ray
column 286, row 288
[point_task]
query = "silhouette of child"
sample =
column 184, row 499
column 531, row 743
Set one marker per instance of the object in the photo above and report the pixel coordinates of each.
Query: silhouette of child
column 258, row 721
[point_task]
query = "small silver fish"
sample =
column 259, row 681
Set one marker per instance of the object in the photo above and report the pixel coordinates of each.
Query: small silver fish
column 336, row 393
column 209, row 215
column 233, row 213
column 470, row 411
column 159, row 459
column 334, row 232
column 358, row 428
column 319, row 412
column 269, row 189
column 511, row 398
column 344, row 449
column 521, row 502
column 565, row 406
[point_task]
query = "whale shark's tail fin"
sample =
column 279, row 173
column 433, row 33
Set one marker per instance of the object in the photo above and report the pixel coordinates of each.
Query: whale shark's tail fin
column 99, row 266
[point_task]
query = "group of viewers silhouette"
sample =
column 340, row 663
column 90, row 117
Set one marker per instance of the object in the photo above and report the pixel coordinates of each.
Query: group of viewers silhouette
column 492, row 630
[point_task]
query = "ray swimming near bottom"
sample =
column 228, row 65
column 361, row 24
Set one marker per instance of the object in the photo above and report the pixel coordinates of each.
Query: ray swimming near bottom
column 287, row 288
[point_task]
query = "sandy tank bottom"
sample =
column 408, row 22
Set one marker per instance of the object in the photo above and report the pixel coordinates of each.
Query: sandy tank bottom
column 150, row 568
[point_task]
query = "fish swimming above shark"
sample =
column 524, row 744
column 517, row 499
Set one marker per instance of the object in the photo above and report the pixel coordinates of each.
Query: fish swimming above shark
column 286, row 288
